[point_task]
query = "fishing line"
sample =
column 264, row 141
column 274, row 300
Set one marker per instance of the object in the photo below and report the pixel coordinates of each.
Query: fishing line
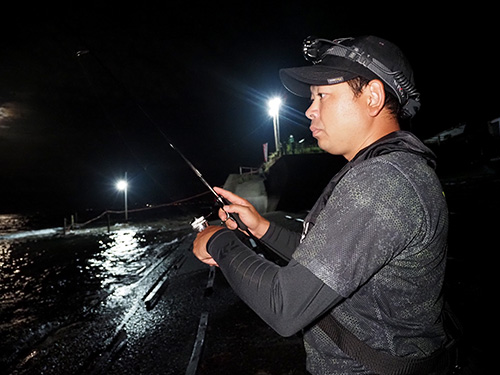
column 80, row 54
column 221, row 201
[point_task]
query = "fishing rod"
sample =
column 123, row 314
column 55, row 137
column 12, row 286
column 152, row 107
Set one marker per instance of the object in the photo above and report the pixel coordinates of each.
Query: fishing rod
column 200, row 223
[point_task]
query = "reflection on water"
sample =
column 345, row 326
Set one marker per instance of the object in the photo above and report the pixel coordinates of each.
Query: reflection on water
column 4, row 254
column 48, row 282
column 121, row 257
column 10, row 223
column 45, row 272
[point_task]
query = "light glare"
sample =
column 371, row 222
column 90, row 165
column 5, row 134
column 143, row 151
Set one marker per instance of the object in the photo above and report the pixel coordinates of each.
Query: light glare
column 274, row 106
column 121, row 185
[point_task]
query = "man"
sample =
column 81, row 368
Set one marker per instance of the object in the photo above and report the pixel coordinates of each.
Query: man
column 371, row 257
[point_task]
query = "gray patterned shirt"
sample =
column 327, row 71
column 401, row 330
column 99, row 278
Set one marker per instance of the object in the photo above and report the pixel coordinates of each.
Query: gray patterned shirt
column 372, row 253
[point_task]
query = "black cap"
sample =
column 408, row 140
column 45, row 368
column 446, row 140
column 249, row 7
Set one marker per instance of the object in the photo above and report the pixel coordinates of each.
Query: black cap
column 340, row 60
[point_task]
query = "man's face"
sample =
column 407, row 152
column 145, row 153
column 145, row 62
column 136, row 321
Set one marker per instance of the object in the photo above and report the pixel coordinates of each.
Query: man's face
column 337, row 119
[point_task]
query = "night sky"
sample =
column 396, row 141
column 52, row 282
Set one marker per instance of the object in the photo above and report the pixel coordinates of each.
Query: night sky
column 88, row 93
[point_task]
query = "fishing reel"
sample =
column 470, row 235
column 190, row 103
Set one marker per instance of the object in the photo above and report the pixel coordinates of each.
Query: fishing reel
column 199, row 223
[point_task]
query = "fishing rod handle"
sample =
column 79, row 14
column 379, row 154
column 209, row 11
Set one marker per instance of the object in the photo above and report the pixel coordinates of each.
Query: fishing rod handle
column 233, row 216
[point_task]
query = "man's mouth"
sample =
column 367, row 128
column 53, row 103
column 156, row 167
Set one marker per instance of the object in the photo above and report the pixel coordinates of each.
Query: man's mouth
column 315, row 131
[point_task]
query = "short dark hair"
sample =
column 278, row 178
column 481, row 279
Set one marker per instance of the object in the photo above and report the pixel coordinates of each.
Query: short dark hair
column 391, row 102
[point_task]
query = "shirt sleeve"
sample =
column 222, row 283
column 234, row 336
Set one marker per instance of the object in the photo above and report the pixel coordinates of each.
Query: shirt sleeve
column 287, row 298
column 281, row 240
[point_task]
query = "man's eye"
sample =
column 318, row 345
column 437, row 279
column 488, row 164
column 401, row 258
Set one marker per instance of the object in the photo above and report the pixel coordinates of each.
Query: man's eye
column 319, row 95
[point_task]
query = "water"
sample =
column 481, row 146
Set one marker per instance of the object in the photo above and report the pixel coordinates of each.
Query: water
column 49, row 280
column 18, row 224
column 10, row 223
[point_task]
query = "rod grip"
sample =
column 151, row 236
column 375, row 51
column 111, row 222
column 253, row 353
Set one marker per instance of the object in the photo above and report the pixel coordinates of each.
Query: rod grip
column 233, row 216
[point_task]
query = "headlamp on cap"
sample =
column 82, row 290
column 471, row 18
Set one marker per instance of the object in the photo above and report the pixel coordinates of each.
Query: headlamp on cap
column 317, row 49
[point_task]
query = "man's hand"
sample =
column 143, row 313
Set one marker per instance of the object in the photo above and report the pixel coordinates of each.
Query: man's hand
column 200, row 245
column 257, row 224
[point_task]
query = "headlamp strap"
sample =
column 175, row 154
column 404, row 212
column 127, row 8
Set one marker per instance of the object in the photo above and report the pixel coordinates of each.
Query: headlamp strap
column 356, row 55
column 405, row 91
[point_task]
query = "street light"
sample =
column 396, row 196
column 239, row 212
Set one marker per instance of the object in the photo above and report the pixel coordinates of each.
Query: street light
column 122, row 185
column 274, row 111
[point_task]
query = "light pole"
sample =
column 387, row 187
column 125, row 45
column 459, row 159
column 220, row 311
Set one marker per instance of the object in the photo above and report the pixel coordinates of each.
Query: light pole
column 274, row 111
column 123, row 185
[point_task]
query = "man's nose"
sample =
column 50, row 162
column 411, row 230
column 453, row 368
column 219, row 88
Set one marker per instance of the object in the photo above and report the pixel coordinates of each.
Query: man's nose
column 312, row 112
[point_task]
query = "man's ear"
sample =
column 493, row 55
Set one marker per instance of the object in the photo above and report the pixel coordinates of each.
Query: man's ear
column 375, row 97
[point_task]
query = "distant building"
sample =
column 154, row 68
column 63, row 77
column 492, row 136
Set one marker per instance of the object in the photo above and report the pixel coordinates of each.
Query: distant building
column 446, row 135
column 494, row 127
